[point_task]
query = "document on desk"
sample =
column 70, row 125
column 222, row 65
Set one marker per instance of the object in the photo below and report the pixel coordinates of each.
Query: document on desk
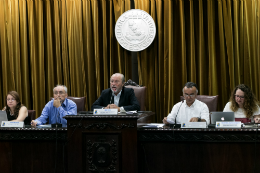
column 154, row 125
column 45, row 125
column 131, row 112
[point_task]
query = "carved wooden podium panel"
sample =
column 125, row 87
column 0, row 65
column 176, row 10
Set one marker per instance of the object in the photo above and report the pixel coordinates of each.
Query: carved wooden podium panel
column 102, row 143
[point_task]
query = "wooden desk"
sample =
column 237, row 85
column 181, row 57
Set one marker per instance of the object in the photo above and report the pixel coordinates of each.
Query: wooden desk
column 32, row 150
column 146, row 117
column 159, row 150
column 132, row 148
column 198, row 150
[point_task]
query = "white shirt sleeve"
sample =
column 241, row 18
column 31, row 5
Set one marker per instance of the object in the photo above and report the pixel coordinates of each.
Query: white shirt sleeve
column 171, row 117
column 205, row 113
column 227, row 108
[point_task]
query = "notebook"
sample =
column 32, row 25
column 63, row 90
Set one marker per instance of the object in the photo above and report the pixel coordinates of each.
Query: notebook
column 222, row 116
column 3, row 117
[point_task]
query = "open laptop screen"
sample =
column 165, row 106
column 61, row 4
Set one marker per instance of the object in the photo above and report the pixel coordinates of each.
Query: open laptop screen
column 222, row 116
column 3, row 117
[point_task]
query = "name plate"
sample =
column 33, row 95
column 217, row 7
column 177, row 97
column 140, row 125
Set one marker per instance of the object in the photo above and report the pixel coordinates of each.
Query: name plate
column 105, row 111
column 194, row 125
column 12, row 124
column 228, row 124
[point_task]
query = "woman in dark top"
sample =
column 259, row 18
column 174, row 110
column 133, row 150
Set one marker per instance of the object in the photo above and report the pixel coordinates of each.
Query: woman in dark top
column 15, row 110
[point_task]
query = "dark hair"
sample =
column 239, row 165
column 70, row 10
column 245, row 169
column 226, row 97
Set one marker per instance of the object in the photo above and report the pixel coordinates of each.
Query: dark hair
column 18, row 106
column 250, row 103
column 190, row 85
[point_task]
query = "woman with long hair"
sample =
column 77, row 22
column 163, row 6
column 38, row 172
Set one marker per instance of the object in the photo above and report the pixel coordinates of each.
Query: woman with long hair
column 244, row 104
column 15, row 110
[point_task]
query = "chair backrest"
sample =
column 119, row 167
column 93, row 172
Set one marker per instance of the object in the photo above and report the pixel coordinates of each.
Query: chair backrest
column 210, row 101
column 80, row 102
column 139, row 93
column 31, row 116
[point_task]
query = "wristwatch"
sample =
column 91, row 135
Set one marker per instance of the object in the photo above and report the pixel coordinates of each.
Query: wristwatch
column 199, row 119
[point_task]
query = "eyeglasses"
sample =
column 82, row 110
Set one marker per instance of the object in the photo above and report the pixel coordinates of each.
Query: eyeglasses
column 9, row 100
column 241, row 97
column 58, row 92
column 114, row 81
column 187, row 95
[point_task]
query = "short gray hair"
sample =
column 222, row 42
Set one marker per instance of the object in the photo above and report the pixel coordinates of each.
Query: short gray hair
column 123, row 77
column 65, row 88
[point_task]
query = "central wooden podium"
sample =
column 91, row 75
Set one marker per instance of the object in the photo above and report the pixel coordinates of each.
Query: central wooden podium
column 102, row 143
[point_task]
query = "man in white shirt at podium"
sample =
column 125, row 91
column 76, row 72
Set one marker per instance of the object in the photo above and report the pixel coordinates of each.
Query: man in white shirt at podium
column 189, row 110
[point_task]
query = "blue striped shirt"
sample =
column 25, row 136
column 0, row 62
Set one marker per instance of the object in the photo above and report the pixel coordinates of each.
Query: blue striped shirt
column 53, row 114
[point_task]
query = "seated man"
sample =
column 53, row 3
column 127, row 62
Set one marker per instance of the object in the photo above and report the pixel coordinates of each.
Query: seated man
column 117, row 96
column 57, row 108
column 190, row 109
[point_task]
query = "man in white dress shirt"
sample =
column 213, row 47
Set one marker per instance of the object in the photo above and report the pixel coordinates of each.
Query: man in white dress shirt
column 190, row 109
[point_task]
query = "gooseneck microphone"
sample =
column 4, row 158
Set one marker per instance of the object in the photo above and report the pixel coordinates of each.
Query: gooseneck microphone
column 57, row 124
column 178, row 112
column 57, row 117
column 111, row 99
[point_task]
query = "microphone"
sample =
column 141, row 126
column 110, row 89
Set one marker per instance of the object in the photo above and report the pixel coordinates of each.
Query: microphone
column 111, row 99
column 57, row 124
column 178, row 111
column 57, row 117
column 176, row 125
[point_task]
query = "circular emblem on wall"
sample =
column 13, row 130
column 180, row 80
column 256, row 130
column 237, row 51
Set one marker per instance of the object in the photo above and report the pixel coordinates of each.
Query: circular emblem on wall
column 135, row 30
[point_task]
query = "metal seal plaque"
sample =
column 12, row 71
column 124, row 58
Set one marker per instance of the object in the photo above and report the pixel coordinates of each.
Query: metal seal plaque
column 135, row 30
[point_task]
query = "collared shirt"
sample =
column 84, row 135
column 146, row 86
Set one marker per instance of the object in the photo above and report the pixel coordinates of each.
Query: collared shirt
column 116, row 98
column 240, row 113
column 184, row 112
column 53, row 114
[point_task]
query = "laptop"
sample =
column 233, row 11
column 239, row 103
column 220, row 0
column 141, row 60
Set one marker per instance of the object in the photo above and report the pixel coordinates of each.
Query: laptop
column 222, row 116
column 3, row 117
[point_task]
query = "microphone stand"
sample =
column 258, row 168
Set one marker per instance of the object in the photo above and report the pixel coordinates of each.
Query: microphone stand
column 177, row 125
column 57, row 125
column 111, row 99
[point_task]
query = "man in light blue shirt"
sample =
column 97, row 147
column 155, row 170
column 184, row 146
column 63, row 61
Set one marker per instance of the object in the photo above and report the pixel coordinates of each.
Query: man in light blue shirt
column 57, row 108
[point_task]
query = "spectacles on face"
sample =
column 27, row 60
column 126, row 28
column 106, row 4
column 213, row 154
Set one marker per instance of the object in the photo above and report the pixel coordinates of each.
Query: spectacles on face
column 241, row 97
column 115, row 81
column 187, row 95
column 59, row 92
column 10, row 100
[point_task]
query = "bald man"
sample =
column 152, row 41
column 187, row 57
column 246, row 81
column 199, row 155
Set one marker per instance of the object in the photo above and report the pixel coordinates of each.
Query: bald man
column 117, row 96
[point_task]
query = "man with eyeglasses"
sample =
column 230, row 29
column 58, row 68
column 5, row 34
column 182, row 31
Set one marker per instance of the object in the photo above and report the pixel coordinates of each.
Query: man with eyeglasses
column 190, row 109
column 117, row 96
column 57, row 108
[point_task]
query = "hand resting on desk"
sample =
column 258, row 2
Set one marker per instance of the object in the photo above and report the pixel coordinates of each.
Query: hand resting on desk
column 33, row 123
